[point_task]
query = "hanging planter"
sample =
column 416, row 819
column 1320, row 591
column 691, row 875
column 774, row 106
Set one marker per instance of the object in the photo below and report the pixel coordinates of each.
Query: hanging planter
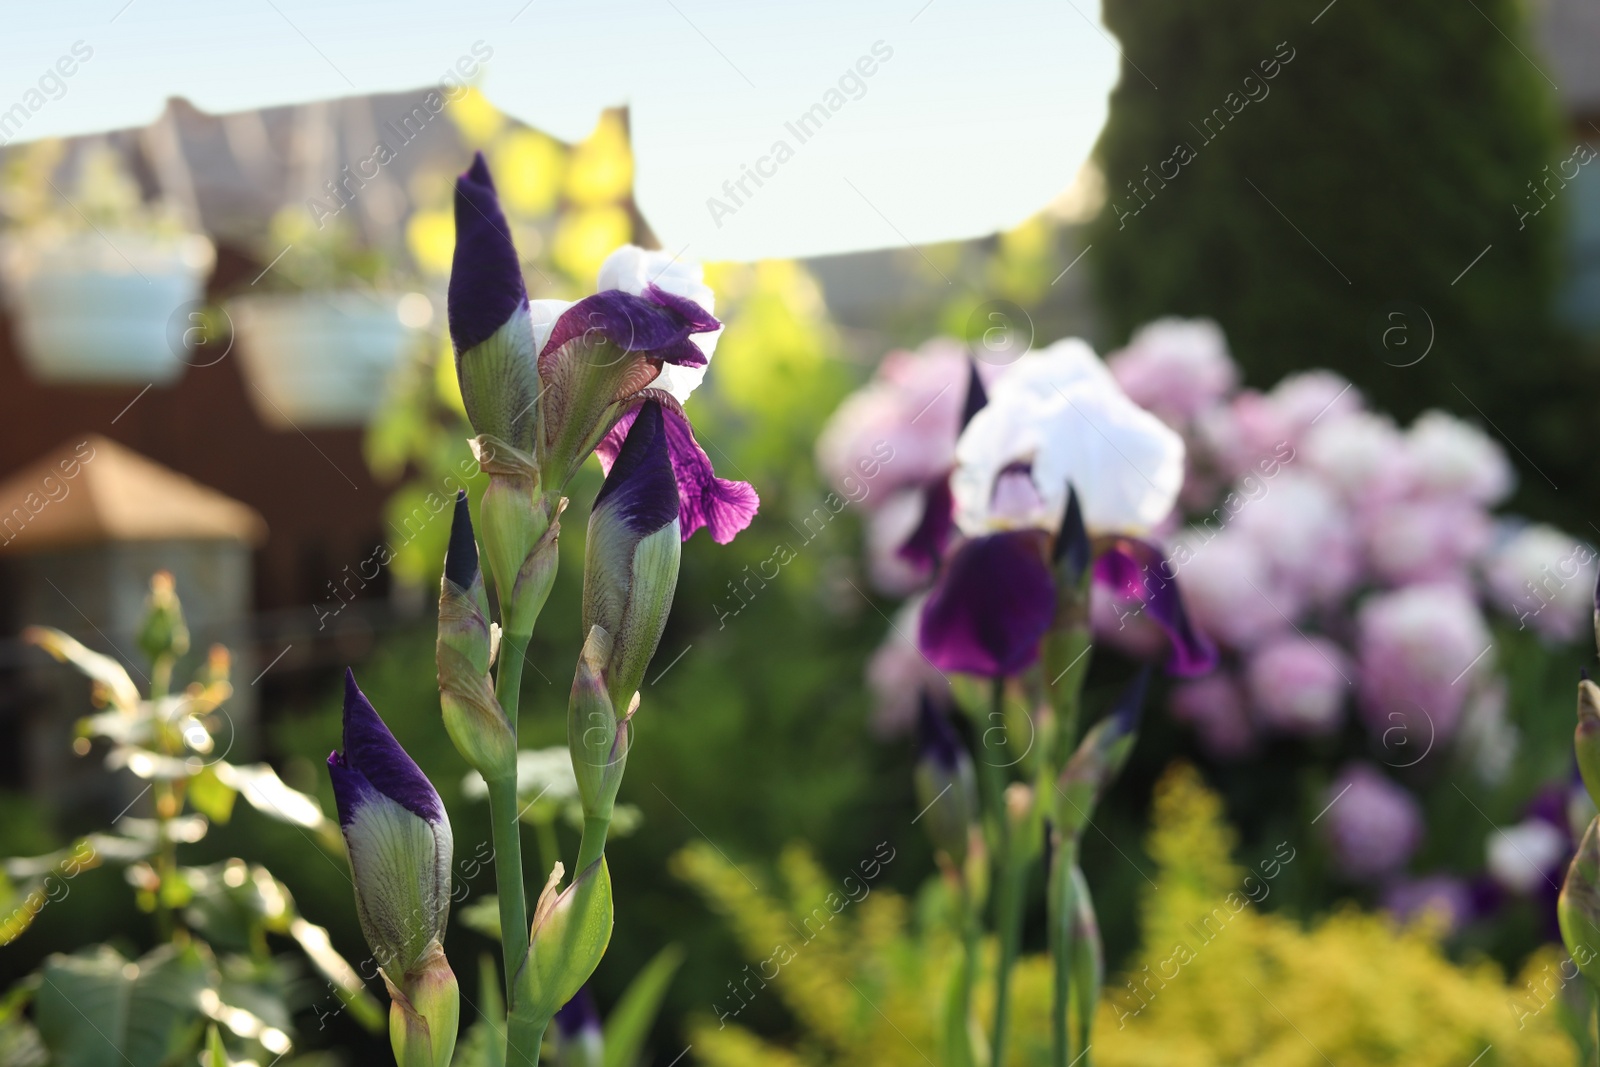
column 323, row 359
column 103, row 308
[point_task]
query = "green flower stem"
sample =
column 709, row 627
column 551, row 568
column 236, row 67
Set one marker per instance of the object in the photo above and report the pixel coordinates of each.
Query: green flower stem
column 1060, row 928
column 521, row 1041
column 1594, row 998
column 593, row 844
column 1012, row 861
column 958, row 1024
column 166, row 800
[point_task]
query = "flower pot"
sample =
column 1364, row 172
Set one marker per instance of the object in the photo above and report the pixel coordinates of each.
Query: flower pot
column 322, row 359
column 99, row 309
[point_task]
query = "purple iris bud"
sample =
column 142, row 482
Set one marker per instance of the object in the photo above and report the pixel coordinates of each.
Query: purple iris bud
column 630, row 568
column 945, row 783
column 641, row 489
column 937, row 740
column 397, row 834
column 461, row 557
column 578, row 1015
column 655, row 322
column 578, row 1027
column 720, row 505
column 486, row 285
column 1138, row 571
column 490, row 326
column 989, row 609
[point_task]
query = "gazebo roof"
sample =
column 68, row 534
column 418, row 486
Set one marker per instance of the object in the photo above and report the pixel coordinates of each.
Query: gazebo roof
column 90, row 490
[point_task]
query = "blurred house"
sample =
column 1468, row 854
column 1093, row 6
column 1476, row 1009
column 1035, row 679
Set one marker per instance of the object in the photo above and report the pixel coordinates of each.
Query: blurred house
column 316, row 510
column 92, row 520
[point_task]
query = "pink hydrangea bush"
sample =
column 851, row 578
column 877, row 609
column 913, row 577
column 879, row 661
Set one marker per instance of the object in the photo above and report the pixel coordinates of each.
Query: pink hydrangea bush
column 1349, row 567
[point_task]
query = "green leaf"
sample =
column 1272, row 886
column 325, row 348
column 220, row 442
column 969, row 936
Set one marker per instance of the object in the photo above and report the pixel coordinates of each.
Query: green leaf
column 267, row 793
column 349, row 988
column 98, row 1009
column 630, row 1021
column 108, row 672
column 210, row 796
column 216, row 1054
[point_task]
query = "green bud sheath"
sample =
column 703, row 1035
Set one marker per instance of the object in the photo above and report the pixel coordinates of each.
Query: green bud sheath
column 630, row 567
column 472, row 715
column 946, row 786
column 1099, row 758
column 597, row 739
column 571, row 930
column 512, row 524
column 1586, row 738
column 1578, row 908
column 424, row 1012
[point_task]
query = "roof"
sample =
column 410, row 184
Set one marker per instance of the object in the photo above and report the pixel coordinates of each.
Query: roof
column 90, row 489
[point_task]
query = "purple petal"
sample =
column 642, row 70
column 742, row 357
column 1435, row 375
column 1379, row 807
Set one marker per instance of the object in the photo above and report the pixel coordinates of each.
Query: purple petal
column 640, row 488
column 1137, row 570
column 1072, row 540
column 723, row 506
column 656, row 323
column 926, row 545
column 699, row 319
column 977, row 396
column 373, row 755
column 350, row 788
column 991, row 606
column 485, row 274
column 461, row 557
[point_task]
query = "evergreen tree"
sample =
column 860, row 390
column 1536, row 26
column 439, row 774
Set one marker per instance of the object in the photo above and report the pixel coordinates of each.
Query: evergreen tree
column 1337, row 184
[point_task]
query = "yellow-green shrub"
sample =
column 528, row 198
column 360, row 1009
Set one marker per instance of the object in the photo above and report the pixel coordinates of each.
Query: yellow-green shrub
column 1353, row 989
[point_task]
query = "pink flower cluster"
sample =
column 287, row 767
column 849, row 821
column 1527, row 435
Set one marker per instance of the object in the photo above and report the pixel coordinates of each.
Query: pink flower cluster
column 1343, row 562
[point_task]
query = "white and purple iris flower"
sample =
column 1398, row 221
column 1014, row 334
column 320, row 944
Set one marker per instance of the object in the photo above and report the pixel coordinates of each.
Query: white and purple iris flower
column 563, row 380
column 398, row 836
column 1057, row 461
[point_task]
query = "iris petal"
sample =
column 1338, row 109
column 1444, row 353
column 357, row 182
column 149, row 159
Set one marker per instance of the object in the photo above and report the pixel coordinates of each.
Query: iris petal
column 990, row 607
column 1137, row 570
column 374, row 759
column 721, row 505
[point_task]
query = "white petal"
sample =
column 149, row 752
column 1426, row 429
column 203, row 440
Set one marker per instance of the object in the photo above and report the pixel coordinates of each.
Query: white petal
column 544, row 314
column 1061, row 412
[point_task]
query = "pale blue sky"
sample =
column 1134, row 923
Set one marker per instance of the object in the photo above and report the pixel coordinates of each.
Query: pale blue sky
column 983, row 113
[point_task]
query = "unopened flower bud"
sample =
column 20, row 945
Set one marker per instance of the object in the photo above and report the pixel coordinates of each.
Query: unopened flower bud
column 582, row 1043
column 163, row 633
column 945, row 785
column 597, row 738
column 630, row 569
column 490, row 326
column 424, row 1012
column 571, row 929
column 1578, row 907
column 1100, row 758
column 398, row 836
column 472, row 715
column 1586, row 738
